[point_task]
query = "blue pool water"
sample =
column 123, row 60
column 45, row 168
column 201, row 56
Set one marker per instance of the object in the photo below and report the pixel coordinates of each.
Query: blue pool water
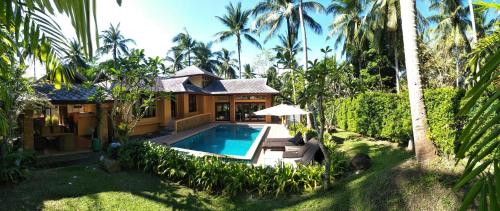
column 231, row 140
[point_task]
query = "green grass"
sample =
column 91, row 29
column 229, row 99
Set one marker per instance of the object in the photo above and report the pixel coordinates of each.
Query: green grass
column 393, row 182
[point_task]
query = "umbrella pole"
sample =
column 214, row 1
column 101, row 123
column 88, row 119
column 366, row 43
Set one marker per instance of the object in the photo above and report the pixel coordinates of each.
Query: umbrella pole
column 294, row 127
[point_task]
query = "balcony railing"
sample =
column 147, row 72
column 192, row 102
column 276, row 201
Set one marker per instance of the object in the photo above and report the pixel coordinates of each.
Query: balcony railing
column 191, row 122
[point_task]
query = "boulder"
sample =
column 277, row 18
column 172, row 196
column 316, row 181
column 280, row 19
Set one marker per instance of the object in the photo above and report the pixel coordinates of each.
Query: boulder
column 110, row 165
column 361, row 162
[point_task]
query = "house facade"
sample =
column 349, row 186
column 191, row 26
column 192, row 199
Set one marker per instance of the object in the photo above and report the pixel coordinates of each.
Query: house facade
column 195, row 97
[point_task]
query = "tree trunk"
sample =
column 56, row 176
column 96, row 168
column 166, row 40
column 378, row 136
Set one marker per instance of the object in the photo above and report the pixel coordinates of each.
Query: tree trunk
column 396, row 67
column 424, row 148
column 474, row 32
column 326, row 175
column 310, row 122
column 238, row 43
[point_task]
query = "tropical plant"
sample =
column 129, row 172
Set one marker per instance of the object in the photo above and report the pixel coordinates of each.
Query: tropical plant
column 131, row 86
column 309, row 6
column 218, row 175
column 424, row 149
column 176, row 58
column 480, row 140
column 452, row 24
column 227, row 66
column 349, row 28
column 248, row 73
column 205, row 58
column 236, row 21
column 185, row 45
column 114, row 42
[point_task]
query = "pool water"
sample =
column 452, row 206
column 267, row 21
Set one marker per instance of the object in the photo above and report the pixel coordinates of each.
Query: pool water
column 230, row 140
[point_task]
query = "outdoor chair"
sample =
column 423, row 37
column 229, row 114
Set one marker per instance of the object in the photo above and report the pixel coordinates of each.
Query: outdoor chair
column 278, row 144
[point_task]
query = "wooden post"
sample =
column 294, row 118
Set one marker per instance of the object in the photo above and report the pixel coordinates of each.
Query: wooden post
column 232, row 109
column 29, row 132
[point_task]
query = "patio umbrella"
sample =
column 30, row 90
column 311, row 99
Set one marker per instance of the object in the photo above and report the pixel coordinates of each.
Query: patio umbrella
column 282, row 110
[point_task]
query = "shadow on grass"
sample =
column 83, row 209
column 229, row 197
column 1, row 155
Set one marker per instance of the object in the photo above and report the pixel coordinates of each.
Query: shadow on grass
column 83, row 188
column 394, row 182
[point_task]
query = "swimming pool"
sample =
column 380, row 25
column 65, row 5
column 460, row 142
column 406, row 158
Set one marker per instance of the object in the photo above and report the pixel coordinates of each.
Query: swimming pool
column 237, row 141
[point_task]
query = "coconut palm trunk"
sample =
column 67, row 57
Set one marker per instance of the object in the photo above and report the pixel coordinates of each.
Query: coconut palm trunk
column 474, row 32
column 238, row 43
column 424, row 148
column 396, row 68
column 304, row 40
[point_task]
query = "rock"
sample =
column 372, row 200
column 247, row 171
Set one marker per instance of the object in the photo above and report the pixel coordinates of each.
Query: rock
column 111, row 165
column 410, row 145
column 361, row 162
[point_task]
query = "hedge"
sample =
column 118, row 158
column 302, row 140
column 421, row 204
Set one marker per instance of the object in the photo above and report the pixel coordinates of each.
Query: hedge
column 215, row 175
column 387, row 116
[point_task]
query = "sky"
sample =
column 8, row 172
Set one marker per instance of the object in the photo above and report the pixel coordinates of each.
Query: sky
column 153, row 24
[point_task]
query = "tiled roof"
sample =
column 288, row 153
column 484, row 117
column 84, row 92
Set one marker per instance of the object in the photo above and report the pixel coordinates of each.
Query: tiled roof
column 172, row 84
column 193, row 70
column 74, row 93
column 240, row 86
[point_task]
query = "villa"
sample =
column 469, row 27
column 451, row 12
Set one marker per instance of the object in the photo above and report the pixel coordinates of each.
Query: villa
column 197, row 98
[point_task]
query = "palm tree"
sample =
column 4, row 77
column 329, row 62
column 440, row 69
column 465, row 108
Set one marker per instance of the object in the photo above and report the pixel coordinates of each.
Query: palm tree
column 424, row 148
column 272, row 14
column 452, row 22
column 75, row 57
column 227, row 66
column 310, row 5
column 114, row 42
column 185, row 44
column 205, row 58
column 248, row 73
column 176, row 59
column 384, row 21
column 236, row 20
column 349, row 28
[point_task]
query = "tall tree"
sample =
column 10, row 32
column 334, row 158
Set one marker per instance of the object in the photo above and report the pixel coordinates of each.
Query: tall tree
column 248, row 73
column 424, row 148
column 452, row 23
column 114, row 42
column 302, row 7
column 175, row 57
column 227, row 67
column 348, row 28
column 236, row 21
column 205, row 58
column 385, row 21
column 185, row 44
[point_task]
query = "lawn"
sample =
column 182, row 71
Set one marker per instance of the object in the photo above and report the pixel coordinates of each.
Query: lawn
column 393, row 182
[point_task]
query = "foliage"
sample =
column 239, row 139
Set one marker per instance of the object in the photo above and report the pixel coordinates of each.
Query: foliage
column 132, row 87
column 215, row 175
column 480, row 140
column 309, row 134
column 236, row 21
column 14, row 165
column 339, row 159
column 114, row 42
column 387, row 116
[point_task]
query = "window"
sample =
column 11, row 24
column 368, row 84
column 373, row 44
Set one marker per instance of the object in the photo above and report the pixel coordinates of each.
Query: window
column 251, row 97
column 206, row 81
column 149, row 111
column 192, row 103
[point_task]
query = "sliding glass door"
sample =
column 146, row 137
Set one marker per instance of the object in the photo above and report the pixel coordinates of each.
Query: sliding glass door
column 222, row 112
column 244, row 112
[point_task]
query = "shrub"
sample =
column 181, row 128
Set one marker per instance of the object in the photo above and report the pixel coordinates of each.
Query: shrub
column 310, row 133
column 14, row 166
column 339, row 161
column 387, row 116
column 215, row 175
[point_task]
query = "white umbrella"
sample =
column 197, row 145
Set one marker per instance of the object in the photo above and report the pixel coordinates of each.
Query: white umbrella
column 282, row 110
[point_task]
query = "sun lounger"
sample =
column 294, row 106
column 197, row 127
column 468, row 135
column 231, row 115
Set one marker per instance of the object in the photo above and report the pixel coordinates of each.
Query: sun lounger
column 308, row 155
column 279, row 144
